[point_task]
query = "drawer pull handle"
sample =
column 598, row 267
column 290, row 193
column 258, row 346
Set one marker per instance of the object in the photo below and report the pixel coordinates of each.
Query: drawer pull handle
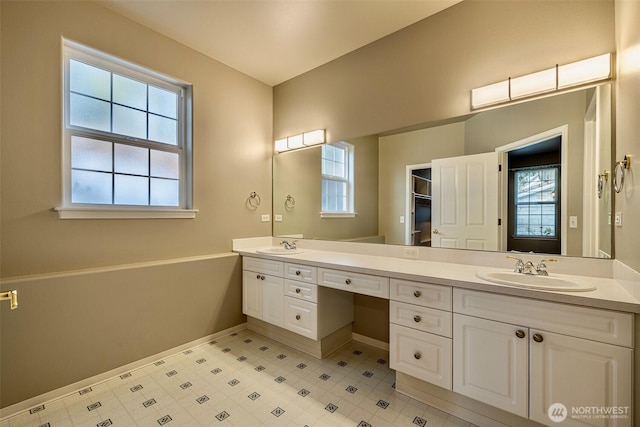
column 297, row 317
column 417, row 318
column 348, row 281
column 417, row 355
column 298, row 290
column 538, row 338
column 298, row 272
column 417, row 294
column 520, row 333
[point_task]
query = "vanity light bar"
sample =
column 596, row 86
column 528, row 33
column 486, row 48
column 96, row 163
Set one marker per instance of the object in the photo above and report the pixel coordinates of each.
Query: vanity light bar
column 551, row 80
column 306, row 139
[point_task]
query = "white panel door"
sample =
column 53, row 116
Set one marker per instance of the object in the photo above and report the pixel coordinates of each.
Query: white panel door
column 579, row 373
column 490, row 363
column 273, row 300
column 252, row 294
column 465, row 202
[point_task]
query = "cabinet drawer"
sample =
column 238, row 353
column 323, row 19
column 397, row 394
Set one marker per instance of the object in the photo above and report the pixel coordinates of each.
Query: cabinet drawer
column 422, row 355
column 303, row 273
column 366, row 284
column 300, row 290
column 424, row 294
column 421, row 318
column 595, row 324
column 273, row 268
column 301, row 317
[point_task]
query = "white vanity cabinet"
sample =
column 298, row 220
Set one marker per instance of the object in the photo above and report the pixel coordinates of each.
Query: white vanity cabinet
column 420, row 331
column 263, row 290
column 522, row 356
column 287, row 295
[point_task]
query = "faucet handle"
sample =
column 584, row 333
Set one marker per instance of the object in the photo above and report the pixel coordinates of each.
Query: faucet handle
column 542, row 265
column 519, row 264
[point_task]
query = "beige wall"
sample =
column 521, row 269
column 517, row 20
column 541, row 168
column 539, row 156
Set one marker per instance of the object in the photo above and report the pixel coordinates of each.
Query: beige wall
column 426, row 71
column 627, row 238
column 410, row 148
column 232, row 134
column 68, row 328
column 298, row 173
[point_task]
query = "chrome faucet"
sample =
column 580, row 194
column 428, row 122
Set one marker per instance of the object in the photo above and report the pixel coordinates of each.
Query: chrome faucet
column 528, row 267
column 289, row 245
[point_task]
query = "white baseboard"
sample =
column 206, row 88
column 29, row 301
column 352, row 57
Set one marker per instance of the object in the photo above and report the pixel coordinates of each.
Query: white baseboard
column 370, row 341
column 45, row 398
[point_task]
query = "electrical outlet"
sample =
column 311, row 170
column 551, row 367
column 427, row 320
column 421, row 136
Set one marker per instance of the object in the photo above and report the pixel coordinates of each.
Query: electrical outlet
column 618, row 219
column 401, row 219
column 265, row 218
column 277, row 218
column 410, row 252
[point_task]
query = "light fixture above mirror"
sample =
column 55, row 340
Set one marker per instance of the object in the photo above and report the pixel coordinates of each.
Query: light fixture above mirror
column 302, row 140
column 554, row 79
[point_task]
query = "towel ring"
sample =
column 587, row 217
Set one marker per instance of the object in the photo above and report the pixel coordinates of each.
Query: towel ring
column 290, row 202
column 602, row 178
column 622, row 166
column 254, row 200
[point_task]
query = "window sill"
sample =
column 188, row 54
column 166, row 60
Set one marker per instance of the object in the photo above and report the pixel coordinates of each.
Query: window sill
column 123, row 213
column 337, row 214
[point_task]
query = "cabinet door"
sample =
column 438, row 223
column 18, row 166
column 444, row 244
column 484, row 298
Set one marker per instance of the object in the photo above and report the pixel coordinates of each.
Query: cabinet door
column 252, row 294
column 579, row 374
column 273, row 300
column 301, row 317
column 490, row 363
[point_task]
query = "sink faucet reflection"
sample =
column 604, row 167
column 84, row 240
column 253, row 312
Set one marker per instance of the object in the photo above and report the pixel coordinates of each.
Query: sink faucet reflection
column 531, row 269
column 289, row 245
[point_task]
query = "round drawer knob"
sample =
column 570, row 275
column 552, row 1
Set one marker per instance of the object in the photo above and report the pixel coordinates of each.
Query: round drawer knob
column 538, row 338
column 417, row 356
column 417, row 294
column 258, row 276
column 348, row 281
column 298, row 290
column 520, row 333
column 298, row 272
column 417, row 318
column 261, row 277
column 297, row 317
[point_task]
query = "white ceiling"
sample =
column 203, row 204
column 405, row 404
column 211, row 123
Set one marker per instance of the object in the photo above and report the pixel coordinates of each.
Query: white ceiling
column 276, row 40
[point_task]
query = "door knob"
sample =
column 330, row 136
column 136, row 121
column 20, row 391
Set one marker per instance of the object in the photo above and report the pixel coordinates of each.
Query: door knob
column 538, row 338
column 520, row 333
column 436, row 231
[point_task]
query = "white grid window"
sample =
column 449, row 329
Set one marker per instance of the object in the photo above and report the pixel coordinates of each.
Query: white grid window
column 126, row 135
column 337, row 179
column 536, row 202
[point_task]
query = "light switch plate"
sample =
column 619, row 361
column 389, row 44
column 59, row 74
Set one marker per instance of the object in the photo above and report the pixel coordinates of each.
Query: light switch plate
column 265, row 218
column 573, row 222
column 618, row 219
column 277, row 218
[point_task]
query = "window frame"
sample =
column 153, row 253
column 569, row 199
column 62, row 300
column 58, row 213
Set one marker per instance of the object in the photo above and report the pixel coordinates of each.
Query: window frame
column 555, row 203
column 115, row 65
column 349, row 150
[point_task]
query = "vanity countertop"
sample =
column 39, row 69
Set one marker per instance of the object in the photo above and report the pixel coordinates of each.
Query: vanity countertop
column 608, row 295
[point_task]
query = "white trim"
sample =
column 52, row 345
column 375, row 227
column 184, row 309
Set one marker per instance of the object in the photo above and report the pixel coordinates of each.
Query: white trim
column 563, row 132
column 590, row 214
column 370, row 341
column 123, row 213
column 67, row 390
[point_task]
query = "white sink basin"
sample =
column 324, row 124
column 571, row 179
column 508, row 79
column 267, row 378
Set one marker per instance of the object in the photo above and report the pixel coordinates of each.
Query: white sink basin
column 547, row 283
column 276, row 250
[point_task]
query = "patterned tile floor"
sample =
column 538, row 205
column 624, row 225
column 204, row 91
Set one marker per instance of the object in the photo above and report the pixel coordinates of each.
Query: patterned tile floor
column 247, row 380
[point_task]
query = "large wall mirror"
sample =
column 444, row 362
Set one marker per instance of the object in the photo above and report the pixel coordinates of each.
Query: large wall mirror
column 437, row 184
